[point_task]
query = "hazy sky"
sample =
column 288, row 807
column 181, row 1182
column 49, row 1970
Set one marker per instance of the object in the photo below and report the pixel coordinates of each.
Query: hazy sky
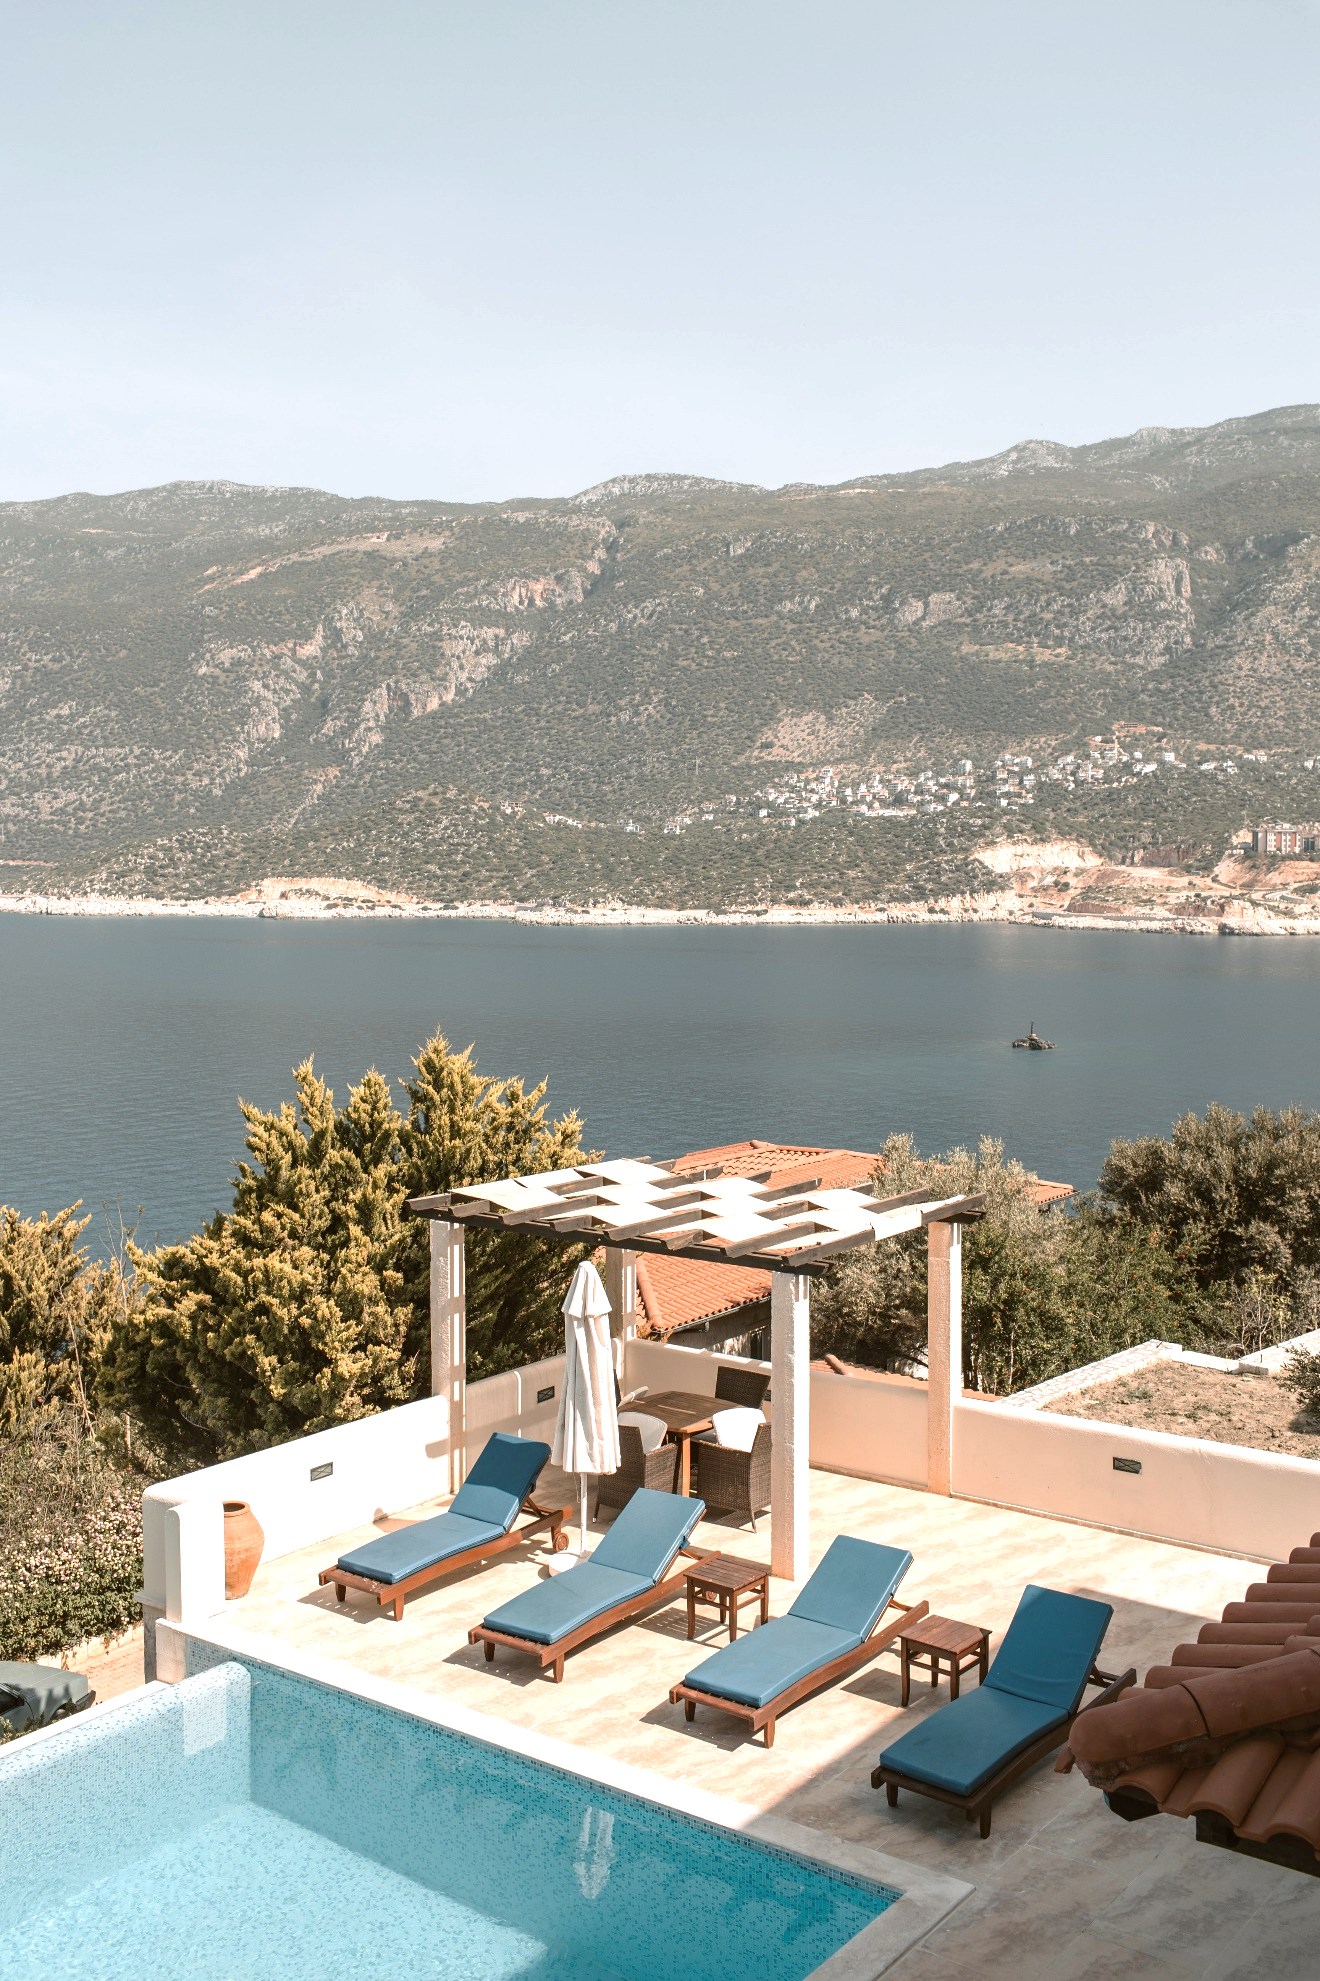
column 510, row 247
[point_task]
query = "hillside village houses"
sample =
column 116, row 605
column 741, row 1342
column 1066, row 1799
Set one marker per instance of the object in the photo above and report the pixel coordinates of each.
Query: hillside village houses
column 1014, row 777
column 1285, row 839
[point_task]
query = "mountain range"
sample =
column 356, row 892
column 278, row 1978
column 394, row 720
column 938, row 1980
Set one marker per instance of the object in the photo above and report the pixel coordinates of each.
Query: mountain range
column 627, row 694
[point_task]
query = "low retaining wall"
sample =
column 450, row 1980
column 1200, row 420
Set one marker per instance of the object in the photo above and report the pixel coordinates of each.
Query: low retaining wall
column 869, row 1427
column 1225, row 1497
column 660, row 1365
column 316, row 1486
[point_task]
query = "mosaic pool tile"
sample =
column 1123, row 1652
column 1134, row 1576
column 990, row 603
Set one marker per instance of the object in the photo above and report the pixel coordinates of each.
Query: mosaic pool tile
column 248, row 1816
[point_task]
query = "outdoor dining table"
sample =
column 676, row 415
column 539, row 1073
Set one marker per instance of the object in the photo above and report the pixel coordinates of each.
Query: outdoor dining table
column 684, row 1413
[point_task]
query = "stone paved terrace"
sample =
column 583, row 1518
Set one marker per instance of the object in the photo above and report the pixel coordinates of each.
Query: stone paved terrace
column 1064, row 1889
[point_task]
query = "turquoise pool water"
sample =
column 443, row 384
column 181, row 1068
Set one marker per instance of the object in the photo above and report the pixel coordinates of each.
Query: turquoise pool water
column 248, row 1824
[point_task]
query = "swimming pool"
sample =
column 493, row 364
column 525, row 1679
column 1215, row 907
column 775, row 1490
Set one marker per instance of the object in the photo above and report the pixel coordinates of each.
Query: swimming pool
column 250, row 1823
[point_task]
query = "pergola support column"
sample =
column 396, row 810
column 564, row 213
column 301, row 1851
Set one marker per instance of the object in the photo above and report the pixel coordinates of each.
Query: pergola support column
column 943, row 1349
column 790, row 1451
column 621, row 1292
column 449, row 1336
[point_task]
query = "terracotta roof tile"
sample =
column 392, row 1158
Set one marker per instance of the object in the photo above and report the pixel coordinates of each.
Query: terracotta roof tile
column 1046, row 1193
column 1236, row 1779
column 1272, row 1632
column 1223, row 1657
column 1155, row 1779
column 788, row 1162
column 682, row 1293
column 1231, row 1726
column 1268, row 1814
column 1293, row 1613
column 1297, row 1812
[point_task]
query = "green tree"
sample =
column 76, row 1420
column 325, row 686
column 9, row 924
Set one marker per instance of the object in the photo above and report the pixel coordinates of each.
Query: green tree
column 464, row 1128
column 1239, row 1195
column 56, row 1310
column 285, row 1314
column 308, row 1303
column 1041, row 1294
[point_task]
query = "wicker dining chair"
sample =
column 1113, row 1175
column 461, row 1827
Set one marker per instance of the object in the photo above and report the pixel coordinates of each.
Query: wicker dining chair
column 735, row 1481
column 743, row 1386
column 657, row 1469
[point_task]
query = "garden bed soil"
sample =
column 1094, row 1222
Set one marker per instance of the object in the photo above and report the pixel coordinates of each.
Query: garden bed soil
column 1200, row 1403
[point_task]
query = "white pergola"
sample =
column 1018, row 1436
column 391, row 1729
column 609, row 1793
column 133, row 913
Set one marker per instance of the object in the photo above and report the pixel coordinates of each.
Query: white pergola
column 795, row 1231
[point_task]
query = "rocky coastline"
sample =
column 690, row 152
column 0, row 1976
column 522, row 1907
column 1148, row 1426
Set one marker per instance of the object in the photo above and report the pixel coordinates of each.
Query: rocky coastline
column 330, row 899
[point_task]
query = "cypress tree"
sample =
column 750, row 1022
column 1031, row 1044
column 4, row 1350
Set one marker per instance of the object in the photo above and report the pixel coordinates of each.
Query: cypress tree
column 307, row 1304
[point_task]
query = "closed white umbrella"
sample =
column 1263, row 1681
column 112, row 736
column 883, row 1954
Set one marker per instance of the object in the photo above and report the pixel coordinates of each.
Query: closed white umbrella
column 587, row 1428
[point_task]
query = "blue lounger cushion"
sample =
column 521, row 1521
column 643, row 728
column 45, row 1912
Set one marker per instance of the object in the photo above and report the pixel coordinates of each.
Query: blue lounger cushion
column 501, row 1479
column 1050, row 1647
column 648, row 1533
column 839, row 1607
column 632, row 1558
column 1034, row 1686
column 970, row 1739
column 33, row 1695
column 425, row 1544
column 853, row 1585
column 562, row 1603
column 756, row 1668
column 484, row 1509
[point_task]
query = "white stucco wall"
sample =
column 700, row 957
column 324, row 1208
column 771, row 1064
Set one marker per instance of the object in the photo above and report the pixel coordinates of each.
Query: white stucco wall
column 871, row 1429
column 1211, row 1495
column 381, row 1464
column 1217, row 1496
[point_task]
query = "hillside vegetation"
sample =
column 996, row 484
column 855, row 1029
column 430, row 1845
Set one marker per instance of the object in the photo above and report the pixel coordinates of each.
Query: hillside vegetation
column 630, row 693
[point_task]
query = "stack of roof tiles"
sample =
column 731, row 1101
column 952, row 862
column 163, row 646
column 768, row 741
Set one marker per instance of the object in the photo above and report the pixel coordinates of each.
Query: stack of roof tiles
column 1229, row 1729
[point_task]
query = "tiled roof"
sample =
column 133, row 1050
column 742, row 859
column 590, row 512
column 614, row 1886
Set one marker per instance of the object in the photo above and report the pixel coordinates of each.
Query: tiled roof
column 1229, row 1730
column 838, row 1169
column 682, row 1293
column 789, row 1162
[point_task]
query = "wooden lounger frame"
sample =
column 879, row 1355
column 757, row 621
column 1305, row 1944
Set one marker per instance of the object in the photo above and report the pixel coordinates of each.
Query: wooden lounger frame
column 762, row 1718
column 392, row 1594
column 977, row 1806
column 664, row 1591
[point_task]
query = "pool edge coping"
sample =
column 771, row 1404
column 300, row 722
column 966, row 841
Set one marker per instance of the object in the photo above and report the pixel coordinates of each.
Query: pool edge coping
column 926, row 1897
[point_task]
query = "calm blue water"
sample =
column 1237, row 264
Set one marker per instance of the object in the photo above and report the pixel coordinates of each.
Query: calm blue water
column 251, row 1826
column 123, row 1045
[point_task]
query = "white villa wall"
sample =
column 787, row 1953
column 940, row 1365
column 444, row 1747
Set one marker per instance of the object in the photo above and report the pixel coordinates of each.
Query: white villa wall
column 1220, row 1496
column 381, row 1464
column 1224, row 1497
column 868, row 1427
column 660, row 1365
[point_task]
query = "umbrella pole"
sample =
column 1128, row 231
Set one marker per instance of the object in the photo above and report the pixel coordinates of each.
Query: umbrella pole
column 582, row 1529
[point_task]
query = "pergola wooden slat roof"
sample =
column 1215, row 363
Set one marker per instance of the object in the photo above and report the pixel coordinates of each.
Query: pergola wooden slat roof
column 733, row 1220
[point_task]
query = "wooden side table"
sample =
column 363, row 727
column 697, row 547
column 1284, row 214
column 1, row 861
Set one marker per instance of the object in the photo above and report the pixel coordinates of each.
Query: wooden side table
column 938, row 1641
column 727, row 1581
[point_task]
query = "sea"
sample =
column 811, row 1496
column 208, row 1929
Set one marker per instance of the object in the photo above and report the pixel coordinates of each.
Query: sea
column 125, row 1044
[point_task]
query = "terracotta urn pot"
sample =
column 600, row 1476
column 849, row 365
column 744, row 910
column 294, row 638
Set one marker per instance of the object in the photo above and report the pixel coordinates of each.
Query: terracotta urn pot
column 244, row 1540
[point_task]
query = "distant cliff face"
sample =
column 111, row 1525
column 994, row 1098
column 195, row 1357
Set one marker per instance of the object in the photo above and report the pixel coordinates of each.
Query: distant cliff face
column 205, row 682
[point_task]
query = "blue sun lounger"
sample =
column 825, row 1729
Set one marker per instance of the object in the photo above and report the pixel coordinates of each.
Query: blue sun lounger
column 631, row 1570
column 969, row 1751
column 830, row 1630
column 477, row 1525
column 35, row 1695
